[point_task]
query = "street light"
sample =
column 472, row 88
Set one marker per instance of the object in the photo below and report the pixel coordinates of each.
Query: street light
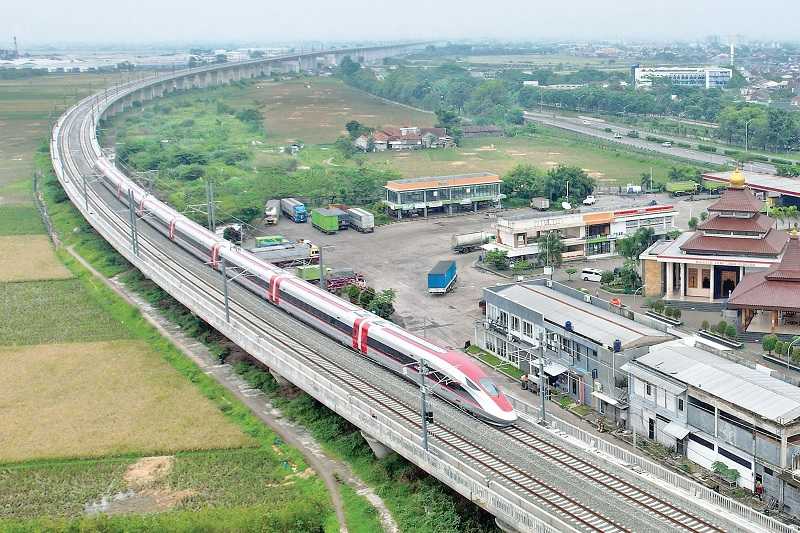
column 746, row 125
column 322, row 265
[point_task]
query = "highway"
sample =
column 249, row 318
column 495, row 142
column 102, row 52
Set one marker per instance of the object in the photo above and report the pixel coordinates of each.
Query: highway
column 529, row 477
column 596, row 128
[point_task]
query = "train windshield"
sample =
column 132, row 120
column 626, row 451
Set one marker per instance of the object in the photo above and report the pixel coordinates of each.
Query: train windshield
column 490, row 387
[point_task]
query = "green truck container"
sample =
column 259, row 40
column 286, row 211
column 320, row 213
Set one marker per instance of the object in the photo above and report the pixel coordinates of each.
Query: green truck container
column 676, row 188
column 308, row 272
column 326, row 220
column 266, row 241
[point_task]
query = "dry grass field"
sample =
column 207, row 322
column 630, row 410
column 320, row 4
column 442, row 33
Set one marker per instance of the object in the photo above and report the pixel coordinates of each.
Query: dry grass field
column 499, row 155
column 315, row 110
column 26, row 108
column 104, row 398
column 29, row 258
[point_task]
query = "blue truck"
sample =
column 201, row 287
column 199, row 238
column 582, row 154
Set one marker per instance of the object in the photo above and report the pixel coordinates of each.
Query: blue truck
column 442, row 277
column 294, row 209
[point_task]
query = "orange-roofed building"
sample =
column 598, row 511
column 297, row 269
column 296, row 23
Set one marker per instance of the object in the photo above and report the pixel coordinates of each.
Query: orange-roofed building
column 443, row 194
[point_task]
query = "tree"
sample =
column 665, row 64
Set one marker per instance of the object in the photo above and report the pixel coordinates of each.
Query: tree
column 383, row 303
column 447, row 118
column 353, row 293
column 768, row 343
column 232, row 234
column 631, row 247
column 355, row 128
column 366, row 297
column 730, row 331
column 348, row 67
column 705, row 325
column 704, row 216
column 497, row 258
column 523, row 181
column 550, row 249
column 571, row 272
column 345, row 147
column 693, row 223
column 521, row 266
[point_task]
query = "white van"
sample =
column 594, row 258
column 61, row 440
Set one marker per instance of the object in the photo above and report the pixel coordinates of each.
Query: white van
column 591, row 274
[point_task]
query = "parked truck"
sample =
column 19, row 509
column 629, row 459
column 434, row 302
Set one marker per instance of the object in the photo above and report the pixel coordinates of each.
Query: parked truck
column 469, row 242
column 540, row 203
column 272, row 212
column 442, row 277
column 329, row 220
column 294, row 209
column 288, row 253
column 361, row 220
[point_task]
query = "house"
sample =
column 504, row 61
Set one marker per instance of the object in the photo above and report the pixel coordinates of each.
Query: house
column 405, row 138
column 482, row 131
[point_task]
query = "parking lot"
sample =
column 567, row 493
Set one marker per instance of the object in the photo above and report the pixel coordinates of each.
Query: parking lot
column 399, row 256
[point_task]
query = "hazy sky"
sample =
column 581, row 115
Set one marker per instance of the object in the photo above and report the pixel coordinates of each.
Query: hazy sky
column 43, row 21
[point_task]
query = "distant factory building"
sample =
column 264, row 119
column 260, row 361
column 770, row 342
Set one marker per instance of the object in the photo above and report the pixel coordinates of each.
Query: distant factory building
column 442, row 194
column 708, row 77
column 769, row 187
column 584, row 340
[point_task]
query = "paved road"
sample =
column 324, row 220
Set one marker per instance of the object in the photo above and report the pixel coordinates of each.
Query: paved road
column 596, row 128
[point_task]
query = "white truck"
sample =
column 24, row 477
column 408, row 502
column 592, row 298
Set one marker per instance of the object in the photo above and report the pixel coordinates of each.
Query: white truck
column 590, row 200
column 361, row 220
column 469, row 242
column 272, row 212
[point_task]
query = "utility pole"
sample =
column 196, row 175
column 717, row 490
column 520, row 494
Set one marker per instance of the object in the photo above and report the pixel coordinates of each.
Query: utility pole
column 210, row 204
column 134, row 230
column 225, row 291
column 423, row 404
column 542, row 383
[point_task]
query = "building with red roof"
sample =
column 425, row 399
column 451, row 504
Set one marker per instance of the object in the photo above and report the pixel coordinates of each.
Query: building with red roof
column 769, row 301
column 710, row 262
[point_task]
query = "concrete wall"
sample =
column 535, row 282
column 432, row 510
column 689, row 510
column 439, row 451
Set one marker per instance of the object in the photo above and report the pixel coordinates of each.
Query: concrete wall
column 652, row 277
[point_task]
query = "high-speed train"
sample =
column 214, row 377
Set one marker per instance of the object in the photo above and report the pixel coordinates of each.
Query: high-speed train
column 452, row 375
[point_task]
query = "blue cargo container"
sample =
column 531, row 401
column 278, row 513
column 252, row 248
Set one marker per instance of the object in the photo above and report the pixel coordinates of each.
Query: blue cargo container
column 442, row 277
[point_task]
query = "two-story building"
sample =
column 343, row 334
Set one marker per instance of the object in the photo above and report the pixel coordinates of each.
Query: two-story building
column 584, row 340
column 587, row 233
column 442, row 194
column 713, row 409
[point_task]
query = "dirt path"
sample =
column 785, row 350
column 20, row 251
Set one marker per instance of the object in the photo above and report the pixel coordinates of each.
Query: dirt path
column 331, row 470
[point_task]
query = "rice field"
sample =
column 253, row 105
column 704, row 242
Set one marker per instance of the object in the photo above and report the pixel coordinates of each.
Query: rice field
column 20, row 220
column 102, row 398
column 29, row 258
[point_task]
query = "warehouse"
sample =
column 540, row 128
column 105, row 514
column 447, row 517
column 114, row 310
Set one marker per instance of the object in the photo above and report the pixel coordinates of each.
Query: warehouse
column 714, row 410
column 442, row 194
column 586, row 340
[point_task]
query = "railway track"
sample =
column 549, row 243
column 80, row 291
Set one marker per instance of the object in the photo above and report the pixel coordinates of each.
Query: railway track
column 555, row 500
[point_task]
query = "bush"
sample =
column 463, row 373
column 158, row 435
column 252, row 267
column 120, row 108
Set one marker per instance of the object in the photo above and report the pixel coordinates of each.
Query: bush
column 722, row 327
column 683, row 145
column 669, row 311
column 779, row 347
column 676, row 314
column 658, row 306
column 731, row 332
column 606, row 277
column 768, row 343
column 734, row 153
column 707, row 148
column 705, row 325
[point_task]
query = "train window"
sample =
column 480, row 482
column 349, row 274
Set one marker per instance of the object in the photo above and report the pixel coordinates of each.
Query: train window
column 490, row 387
column 471, row 385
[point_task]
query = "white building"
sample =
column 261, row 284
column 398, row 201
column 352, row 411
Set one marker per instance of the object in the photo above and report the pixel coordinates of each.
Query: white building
column 708, row 77
column 590, row 233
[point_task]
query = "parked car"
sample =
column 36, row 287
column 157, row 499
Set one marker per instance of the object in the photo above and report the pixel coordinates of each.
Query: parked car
column 590, row 200
column 617, row 135
column 666, row 144
column 591, row 274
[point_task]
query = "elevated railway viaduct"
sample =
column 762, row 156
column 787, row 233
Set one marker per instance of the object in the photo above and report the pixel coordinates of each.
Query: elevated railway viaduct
column 529, row 478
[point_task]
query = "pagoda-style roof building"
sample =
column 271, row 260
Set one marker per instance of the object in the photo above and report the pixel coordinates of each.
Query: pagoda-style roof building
column 778, row 287
column 737, row 226
column 769, row 301
column 710, row 262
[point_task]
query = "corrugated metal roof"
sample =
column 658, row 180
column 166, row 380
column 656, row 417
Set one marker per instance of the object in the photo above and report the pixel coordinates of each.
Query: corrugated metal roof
column 737, row 384
column 646, row 375
column 588, row 320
